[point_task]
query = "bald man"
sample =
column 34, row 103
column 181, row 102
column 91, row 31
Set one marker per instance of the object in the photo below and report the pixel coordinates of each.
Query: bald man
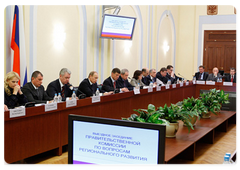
column 145, row 73
column 214, row 76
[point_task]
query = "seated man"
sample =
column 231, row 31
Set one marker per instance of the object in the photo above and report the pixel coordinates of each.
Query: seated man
column 89, row 85
column 151, row 77
column 171, row 75
column 162, row 75
column 123, row 81
column 145, row 73
column 61, row 85
column 214, row 76
column 232, row 76
column 111, row 84
column 201, row 75
column 34, row 90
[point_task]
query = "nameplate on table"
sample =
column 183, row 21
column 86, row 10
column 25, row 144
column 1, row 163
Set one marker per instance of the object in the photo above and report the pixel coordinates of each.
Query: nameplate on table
column 71, row 103
column 17, row 112
column 158, row 88
column 136, row 90
column 167, row 86
column 96, row 99
column 228, row 83
column 210, row 82
column 173, row 85
column 200, row 82
column 150, row 89
column 187, row 83
column 50, row 107
column 181, row 84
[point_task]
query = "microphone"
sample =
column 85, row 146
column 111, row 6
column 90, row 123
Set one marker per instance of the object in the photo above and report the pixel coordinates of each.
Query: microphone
column 182, row 76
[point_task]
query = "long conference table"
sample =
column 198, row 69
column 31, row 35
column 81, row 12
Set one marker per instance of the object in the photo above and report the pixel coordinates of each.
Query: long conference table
column 39, row 131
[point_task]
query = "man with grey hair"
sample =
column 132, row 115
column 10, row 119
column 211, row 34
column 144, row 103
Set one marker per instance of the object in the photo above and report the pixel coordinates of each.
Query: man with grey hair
column 61, row 85
column 151, row 77
column 123, row 81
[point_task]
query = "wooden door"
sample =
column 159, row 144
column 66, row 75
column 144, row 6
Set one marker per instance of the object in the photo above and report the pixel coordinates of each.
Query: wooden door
column 219, row 50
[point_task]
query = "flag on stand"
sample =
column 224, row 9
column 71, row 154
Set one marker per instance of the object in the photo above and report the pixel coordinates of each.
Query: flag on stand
column 19, row 66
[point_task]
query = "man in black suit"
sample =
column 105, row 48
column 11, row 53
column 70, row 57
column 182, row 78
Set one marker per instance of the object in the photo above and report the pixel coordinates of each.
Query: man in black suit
column 151, row 77
column 145, row 73
column 34, row 91
column 123, row 81
column 201, row 75
column 61, row 85
column 162, row 75
column 232, row 76
column 111, row 83
column 171, row 75
column 89, row 85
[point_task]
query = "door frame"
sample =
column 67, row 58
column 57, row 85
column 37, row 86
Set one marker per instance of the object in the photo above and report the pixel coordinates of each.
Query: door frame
column 216, row 22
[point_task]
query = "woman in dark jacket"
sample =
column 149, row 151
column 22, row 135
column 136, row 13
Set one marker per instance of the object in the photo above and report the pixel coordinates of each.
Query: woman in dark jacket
column 13, row 95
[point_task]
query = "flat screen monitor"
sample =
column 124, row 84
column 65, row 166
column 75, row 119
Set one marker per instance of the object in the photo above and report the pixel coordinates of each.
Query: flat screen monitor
column 117, row 27
column 93, row 140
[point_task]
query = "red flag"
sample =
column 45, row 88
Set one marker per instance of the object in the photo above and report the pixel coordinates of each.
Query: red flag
column 15, row 42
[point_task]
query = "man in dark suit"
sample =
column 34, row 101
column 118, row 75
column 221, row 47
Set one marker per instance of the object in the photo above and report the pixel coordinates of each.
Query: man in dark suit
column 111, row 83
column 171, row 75
column 201, row 75
column 232, row 77
column 89, row 85
column 151, row 77
column 162, row 75
column 61, row 85
column 214, row 76
column 123, row 81
column 34, row 90
column 145, row 73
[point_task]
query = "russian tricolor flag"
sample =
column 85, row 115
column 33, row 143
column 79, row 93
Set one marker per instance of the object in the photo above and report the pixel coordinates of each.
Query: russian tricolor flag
column 19, row 57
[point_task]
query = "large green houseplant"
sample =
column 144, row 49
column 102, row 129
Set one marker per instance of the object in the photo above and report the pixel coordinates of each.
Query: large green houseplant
column 220, row 96
column 194, row 106
column 150, row 115
column 210, row 101
column 174, row 113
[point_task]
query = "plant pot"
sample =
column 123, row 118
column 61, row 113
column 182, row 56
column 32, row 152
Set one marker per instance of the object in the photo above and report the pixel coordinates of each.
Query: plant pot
column 171, row 130
column 193, row 120
column 206, row 115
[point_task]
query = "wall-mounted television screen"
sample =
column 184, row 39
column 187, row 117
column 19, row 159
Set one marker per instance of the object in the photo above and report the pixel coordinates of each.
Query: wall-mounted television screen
column 117, row 27
column 93, row 140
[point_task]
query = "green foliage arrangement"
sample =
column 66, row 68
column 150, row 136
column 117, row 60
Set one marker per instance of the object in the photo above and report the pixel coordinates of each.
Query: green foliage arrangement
column 173, row 113
column 150, row 115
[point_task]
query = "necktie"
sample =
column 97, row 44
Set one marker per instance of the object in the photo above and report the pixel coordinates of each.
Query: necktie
column 232, row 79
column 62, row 92
column 114, row 84
column 38, row 94
column 200, row 75
column 124, row 83
column 92, row 88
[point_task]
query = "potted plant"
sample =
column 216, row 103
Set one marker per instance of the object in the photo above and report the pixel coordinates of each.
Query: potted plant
column 150, row 115
column 210, row 101
column 173, row 114
column 221, row 97
column 194, row 106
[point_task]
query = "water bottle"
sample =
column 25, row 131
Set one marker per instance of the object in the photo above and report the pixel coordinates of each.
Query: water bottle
column 74, row 95
column 59, row 97
column 55, row 99
column 177, row 80
column 151, row 84
column 97, row 92
column 220, row 79
column 226, row 159
column 138, row 86
column 194, row 78
column 169, row 82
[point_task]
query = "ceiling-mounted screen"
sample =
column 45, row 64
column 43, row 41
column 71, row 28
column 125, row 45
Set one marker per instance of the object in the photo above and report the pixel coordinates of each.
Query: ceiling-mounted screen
column 117, row 27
